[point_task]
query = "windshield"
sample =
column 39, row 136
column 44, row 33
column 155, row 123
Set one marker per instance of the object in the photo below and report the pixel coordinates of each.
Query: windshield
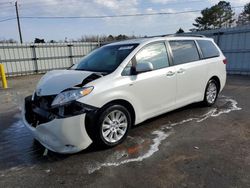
column 106, row 59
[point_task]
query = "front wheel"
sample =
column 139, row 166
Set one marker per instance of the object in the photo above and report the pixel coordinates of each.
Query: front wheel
column 113, row 125
column 211, row 93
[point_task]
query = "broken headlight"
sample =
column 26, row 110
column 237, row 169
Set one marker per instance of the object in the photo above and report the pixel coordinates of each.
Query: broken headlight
column 71, row 95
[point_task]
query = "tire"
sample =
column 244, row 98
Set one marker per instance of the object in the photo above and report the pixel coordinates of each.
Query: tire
column 211, row 93
column 112, row 125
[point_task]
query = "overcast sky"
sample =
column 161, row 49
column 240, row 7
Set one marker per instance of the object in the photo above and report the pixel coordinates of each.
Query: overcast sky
column 58, row 29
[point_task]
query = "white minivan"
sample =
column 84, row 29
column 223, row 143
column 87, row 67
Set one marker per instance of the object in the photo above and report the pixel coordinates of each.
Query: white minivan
column 120, row 85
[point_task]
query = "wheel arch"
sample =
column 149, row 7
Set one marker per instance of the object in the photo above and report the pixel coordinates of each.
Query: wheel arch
column 126, row 104
column 216, row 78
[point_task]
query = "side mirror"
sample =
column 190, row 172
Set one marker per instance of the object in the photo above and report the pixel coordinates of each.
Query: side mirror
column 144, row 67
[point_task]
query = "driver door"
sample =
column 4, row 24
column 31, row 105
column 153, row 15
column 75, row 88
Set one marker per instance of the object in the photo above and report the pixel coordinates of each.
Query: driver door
column 154, row 90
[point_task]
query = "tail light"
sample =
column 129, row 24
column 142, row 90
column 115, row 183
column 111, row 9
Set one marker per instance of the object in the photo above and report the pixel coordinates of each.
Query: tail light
column 225, row 61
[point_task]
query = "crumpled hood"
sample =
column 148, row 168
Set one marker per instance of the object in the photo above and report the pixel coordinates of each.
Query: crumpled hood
column 56, row 81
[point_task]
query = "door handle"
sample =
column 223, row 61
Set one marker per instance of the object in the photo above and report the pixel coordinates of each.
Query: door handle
column 181, row 70
column 170, row 73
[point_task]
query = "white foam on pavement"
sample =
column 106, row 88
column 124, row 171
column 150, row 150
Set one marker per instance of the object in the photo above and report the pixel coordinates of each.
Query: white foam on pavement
column 164, row 132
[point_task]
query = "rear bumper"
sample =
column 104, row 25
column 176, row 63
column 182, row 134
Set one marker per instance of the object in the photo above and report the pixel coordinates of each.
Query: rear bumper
column 223, row 80
column 64, row 135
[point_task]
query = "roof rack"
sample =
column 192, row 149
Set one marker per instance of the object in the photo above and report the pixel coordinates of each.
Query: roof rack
column 154, row 36
column 189, row 35
column 178, row 35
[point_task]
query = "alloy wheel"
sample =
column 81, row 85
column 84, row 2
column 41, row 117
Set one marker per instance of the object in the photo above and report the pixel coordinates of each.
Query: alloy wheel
column 114, row 126
column 211, row 92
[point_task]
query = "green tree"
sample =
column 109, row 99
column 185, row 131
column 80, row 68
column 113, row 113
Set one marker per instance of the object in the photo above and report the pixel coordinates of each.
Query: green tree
column 206, row 20
column 244, row 17
column 110, row 38
column 224, row 14
column 180, row 31
column 121, row 37
column 217, row 16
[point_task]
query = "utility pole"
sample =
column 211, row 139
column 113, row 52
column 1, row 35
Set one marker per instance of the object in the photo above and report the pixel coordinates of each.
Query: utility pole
column 18, row 23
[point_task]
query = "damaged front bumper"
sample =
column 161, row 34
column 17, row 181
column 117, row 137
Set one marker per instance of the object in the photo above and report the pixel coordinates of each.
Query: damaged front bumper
column 60, row 134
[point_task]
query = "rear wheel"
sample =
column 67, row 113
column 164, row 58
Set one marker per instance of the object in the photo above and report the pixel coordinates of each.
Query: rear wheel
column 211, row 93
column 112, row 126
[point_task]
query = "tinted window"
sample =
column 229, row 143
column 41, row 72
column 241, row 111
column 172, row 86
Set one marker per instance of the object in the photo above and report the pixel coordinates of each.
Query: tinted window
column 184, row 51
column 208, row 49
column 106, row 58
column 155, row 54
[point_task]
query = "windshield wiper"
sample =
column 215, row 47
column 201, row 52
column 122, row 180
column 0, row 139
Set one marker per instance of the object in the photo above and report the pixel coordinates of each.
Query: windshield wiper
column 82, row 70
column 95, row 71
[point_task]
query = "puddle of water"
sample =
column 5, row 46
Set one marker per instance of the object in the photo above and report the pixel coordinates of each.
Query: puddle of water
column 17, row 146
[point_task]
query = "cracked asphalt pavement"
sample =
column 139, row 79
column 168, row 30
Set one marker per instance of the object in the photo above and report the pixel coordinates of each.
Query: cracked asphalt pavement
column 194, row 146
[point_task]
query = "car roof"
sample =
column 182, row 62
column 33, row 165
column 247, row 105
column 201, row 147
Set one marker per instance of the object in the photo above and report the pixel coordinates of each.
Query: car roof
column 152, row 39
column 130, row 41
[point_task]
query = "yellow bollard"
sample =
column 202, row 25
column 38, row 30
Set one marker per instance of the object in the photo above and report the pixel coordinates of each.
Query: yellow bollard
column 4, row 81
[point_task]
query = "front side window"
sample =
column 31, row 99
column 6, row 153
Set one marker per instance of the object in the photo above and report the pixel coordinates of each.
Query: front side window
column 105, row 59
column 127, row 70
column 184, row 51
column 155, row 54
column 208, row 49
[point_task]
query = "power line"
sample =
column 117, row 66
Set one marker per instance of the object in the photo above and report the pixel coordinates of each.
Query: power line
column 107, row 16
column 113, row 16
column 145, row 4
column 31, row 5
column 110, row 16
column 90, row 1
column 176, row 3
column 7, row 19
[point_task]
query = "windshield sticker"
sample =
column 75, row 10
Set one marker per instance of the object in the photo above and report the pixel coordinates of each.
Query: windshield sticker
column 125, row 47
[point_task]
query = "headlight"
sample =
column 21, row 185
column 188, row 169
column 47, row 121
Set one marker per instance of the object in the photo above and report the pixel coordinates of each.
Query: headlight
column 71, row 95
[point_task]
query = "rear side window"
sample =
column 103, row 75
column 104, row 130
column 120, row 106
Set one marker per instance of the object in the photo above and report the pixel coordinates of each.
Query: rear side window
column 208, row 49
column 154, row 53
column 184, row 51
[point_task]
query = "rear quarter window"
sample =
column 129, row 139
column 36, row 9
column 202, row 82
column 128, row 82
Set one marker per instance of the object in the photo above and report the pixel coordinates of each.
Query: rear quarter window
column 208, row 49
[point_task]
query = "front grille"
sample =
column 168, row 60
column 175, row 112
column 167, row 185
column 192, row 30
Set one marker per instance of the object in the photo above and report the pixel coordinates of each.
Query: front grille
column 43, row 102
column 37, row 111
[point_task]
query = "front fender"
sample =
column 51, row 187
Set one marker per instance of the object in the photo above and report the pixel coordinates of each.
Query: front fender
column 101, row 99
